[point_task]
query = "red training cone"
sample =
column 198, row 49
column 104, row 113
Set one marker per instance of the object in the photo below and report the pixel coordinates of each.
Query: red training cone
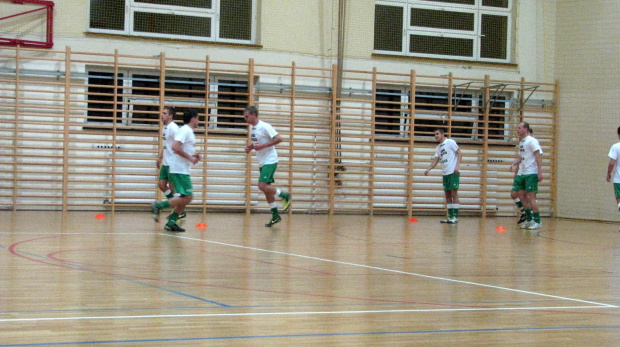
column 413, row 220
column 201, row 226
column 99, row 216
column 500, row 229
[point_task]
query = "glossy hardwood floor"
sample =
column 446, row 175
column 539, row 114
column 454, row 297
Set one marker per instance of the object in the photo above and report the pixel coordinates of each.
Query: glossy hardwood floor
column 71, row 279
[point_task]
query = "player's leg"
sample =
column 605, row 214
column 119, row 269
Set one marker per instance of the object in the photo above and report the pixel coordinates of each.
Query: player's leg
column 264, row 184
column 183, row 184
column 514, row 195
column 531, row 189
column 448, row 197
column 617, row 193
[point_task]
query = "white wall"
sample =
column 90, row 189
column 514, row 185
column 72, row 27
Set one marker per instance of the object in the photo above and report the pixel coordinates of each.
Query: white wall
column 587, row 62
column 306, row 32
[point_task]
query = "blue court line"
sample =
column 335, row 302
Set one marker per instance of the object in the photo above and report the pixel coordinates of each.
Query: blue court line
column 374, row 333
column 129, row 280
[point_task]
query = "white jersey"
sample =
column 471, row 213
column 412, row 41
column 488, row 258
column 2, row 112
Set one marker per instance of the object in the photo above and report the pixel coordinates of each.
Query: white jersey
column 262, row 133
column 527, row 147
column 185, row 135
column 614, row 153
column 167, row 137
column 446, row 152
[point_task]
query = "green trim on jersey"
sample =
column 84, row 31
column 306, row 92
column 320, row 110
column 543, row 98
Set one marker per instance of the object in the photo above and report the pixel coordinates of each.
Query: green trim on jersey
column 451, row 181
column 182, row 183
column 266, row 173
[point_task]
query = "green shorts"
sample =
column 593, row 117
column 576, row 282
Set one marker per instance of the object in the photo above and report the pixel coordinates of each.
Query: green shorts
column 182, row 183
column 617, row 190
column 451, row 181
column 164, row 173
column 266, row 173
column 529, row 183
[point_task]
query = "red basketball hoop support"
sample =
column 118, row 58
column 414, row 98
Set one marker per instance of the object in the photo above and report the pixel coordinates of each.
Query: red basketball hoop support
column 49, row 32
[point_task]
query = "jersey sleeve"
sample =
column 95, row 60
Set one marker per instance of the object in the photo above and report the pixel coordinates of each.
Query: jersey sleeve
column 535, row 146
column 614, row 152
column 269, row 130
column 181, row 135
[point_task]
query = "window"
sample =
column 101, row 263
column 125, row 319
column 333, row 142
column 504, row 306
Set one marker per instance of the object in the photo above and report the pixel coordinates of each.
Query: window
column 432, row 111
column 229, row 97
column 137, row 102
column 203, row 20
column 476, row 30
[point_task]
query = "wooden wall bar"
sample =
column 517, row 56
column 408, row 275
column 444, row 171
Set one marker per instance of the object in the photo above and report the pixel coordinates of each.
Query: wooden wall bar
column 62, row 146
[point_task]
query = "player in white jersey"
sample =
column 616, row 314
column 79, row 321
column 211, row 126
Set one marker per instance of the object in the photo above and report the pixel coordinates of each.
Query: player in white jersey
column 264, row 138
column 180, row 165
column 166, row 154
column 449, row 154
column 529, row 164
column 613, row 169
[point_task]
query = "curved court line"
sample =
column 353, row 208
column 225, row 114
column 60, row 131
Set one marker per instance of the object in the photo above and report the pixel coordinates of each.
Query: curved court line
column 391, row 270
column 135, row 278
column 73, row 266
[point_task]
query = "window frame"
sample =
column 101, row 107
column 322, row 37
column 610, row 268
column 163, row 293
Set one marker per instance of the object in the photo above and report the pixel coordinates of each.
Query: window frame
column 125, row 114
column 478, row 10
column 401, row 131
column 133, row 6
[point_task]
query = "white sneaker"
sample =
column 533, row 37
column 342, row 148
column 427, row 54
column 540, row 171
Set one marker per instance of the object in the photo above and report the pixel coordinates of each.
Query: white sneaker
column 526, row 224
column 534, row 225
column 453, row 220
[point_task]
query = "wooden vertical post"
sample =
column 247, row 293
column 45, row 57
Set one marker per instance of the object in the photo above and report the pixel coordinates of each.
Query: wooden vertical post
column 162, row 103
column 67, row 105
column 554, row 165
column 485, row 147
column 412, row 88
column 450, row 102
column 248, row 162
column 292, row 132
column 114, row 130
column 371, row 170
column 521, row 99
column 205, row 163
column 332, row 144
column 16, row 125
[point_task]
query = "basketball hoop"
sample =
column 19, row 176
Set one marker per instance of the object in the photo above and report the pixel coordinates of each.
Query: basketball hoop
column 26, row 36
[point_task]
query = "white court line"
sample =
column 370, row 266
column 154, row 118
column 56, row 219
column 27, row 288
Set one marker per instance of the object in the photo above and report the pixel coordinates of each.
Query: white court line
column 394, row 271
column 254, row 314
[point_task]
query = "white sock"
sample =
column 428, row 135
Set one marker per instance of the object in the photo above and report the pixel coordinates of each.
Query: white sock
column 167, row 192
column 517, row 200
column 278, row 192
column 272, row 205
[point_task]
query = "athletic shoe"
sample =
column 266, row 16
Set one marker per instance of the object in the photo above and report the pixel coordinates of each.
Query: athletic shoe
column 155, row 211
column 453, row 220
column 534, row 225
column 273, row 221
column 173, row 227
column 444, row 221
column 526, row 224
column 181, row 216
column 522, row 219
column 287, row 202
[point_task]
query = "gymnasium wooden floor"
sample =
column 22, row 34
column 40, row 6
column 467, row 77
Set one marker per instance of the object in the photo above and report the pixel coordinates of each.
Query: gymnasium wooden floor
column 71, row 279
